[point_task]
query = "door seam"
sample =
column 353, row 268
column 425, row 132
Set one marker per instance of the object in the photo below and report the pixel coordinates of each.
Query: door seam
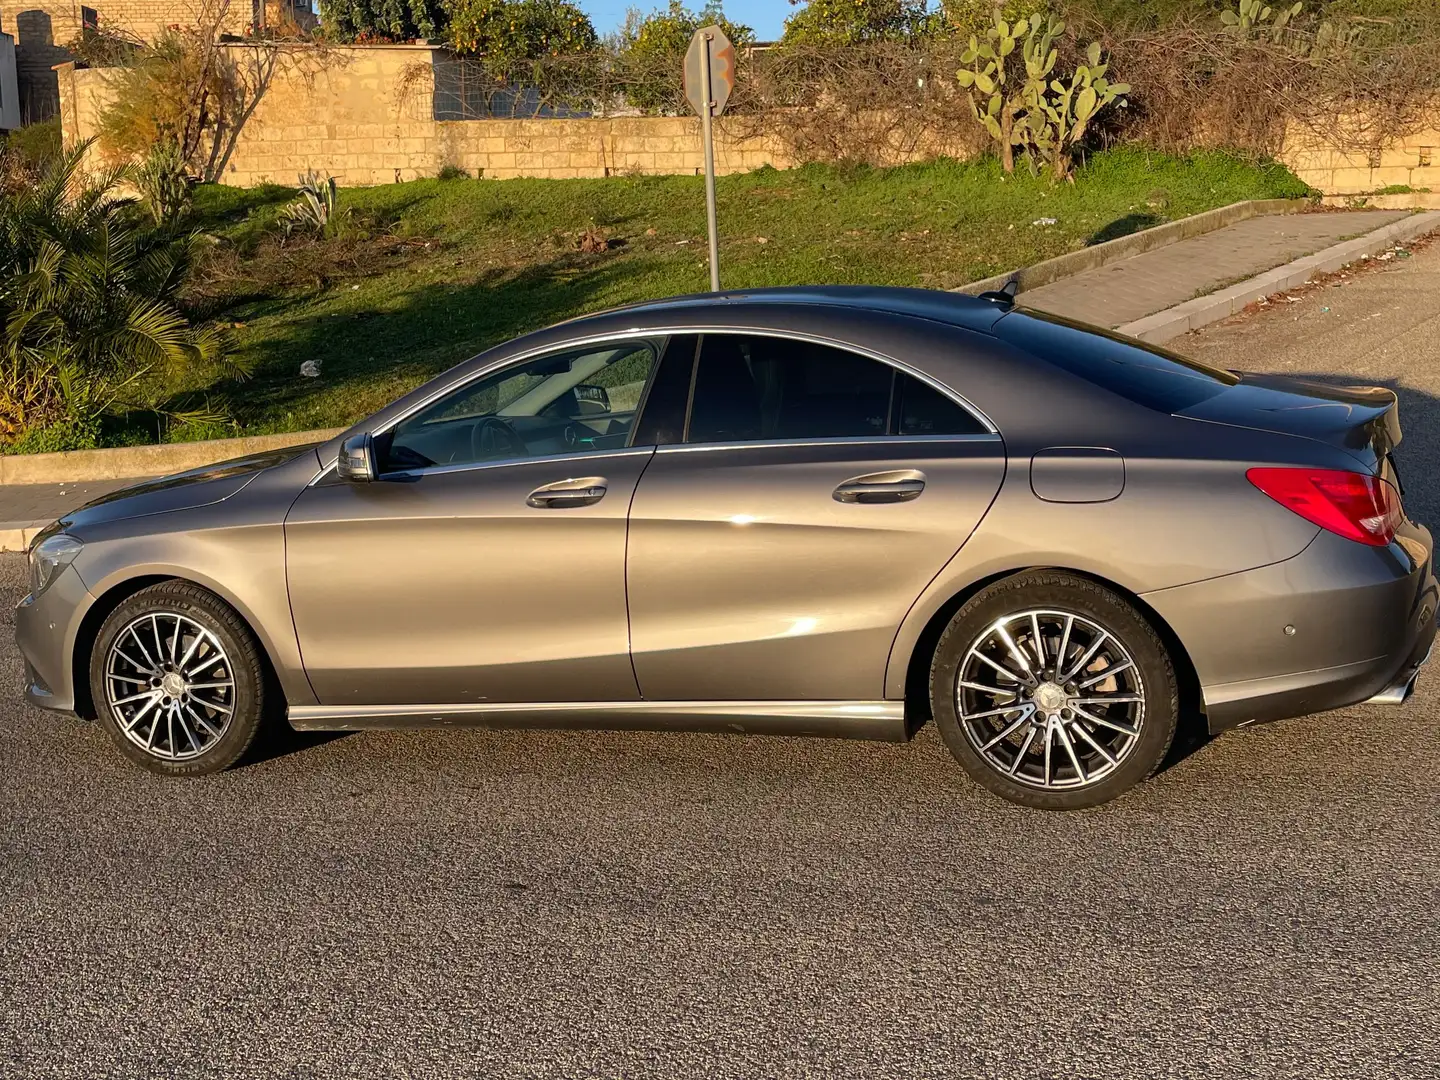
column 629, row 627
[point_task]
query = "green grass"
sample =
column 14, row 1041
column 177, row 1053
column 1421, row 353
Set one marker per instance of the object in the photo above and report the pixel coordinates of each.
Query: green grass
column 425, row 274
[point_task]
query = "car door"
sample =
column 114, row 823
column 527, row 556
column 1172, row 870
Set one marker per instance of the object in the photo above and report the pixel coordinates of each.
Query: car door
column 486, row 561
column 775, row 550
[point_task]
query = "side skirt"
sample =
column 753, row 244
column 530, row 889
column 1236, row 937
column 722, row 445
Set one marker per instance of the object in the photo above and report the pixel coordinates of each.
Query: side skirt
column 882, row 721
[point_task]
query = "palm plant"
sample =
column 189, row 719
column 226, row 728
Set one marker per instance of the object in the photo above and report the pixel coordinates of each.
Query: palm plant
column 88, row 300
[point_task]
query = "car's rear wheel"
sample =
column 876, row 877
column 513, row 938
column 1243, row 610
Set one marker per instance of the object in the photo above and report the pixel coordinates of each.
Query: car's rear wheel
column 177, row 680
column 1054, row 692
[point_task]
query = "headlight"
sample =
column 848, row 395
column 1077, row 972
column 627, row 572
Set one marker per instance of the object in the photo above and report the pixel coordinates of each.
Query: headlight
column 49, row 557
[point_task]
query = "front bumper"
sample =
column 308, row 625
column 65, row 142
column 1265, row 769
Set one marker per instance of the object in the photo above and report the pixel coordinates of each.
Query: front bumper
column 46, row 628
column 1339, row 624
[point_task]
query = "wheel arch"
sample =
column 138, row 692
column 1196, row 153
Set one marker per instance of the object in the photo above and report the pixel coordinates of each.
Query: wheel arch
column 916, row 669
column 115, row 595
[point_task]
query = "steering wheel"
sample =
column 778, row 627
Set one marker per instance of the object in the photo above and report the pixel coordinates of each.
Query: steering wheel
column 493, row 437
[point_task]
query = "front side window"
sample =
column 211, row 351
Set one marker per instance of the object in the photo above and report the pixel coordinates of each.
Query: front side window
column 563, row 403
column 754, row 388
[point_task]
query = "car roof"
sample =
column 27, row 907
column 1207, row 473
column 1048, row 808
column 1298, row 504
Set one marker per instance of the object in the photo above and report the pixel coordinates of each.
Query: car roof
column 954, row 309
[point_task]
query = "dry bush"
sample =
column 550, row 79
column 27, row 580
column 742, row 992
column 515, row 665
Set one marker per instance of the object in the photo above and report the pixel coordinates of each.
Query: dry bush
column 1196, row 86
column 191, row 88
column 874, row 102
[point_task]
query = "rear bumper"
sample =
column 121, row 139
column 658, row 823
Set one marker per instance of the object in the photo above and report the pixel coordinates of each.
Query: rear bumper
column 1339, row 624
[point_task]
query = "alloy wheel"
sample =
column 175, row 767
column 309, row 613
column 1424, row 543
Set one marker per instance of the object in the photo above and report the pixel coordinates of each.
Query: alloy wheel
column 170, row 685
column 1050, row 699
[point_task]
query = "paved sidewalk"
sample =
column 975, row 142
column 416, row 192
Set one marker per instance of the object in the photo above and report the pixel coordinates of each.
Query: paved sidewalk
column 27, row 508
column 1155, row 280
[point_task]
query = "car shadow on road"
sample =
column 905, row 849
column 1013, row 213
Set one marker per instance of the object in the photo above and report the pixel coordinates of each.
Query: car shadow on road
column 280, row 740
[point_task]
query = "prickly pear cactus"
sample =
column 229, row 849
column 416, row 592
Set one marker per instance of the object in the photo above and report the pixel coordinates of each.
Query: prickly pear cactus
column 1043, row 116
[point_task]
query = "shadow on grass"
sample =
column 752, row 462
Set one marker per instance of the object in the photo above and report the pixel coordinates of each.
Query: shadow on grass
column 368, row 353
column 1124, row 226
column 216, row 207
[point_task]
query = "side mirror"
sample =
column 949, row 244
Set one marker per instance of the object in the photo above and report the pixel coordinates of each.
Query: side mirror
column 592, row 399
column 357, row 460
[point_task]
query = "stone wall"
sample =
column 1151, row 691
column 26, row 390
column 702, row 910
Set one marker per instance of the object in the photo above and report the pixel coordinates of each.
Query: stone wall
column 1413, row 162
column 367, row 116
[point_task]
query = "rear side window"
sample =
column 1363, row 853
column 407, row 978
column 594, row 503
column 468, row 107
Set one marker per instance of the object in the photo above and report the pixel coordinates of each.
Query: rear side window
column 750, row 388
column 922, row 410
column 1145, row 374
column 755, row 388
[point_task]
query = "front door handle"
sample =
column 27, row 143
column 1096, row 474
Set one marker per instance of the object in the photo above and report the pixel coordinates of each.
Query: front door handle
column 901, row 485
column 568, row 494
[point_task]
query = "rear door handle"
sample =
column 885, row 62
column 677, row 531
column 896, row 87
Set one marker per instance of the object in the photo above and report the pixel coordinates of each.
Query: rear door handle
column 568, row 494
column 901, row 485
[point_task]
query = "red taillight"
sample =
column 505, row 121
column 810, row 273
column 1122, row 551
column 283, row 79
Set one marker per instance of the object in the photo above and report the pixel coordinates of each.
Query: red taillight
column 1353, row 505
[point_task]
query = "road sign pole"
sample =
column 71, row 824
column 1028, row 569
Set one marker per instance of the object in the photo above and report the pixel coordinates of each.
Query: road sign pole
column 707, row 131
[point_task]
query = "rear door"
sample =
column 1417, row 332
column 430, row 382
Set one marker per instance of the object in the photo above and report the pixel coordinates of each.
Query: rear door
column 811, row 495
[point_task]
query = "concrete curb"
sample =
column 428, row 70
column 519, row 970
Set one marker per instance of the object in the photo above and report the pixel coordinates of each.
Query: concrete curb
column 1203, row 310
column 1172, row 232
column 124, row 462
column 16, row 535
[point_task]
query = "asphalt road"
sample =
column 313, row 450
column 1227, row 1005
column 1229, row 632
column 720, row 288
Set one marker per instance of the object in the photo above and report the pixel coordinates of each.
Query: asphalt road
column 577, row 905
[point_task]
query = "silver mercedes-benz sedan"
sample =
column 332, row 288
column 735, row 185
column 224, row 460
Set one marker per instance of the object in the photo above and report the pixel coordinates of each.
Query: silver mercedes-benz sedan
column 808, row 511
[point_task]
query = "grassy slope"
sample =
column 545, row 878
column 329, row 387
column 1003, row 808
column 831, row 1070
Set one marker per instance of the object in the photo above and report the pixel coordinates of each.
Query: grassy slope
column 502, row 257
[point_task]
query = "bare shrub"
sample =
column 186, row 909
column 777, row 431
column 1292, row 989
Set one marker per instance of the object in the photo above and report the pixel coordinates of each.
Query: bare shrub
column 874, row 102
column 1196, row 84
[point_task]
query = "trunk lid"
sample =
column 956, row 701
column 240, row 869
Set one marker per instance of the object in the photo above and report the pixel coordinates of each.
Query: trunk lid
column 1362, row 420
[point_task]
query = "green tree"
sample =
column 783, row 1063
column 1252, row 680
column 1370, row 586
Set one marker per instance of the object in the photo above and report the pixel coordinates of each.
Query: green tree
column 845, row 22
column 966, row 17
column 512, row 35
column 89, row 303
column 651, row 52
column 384, row 20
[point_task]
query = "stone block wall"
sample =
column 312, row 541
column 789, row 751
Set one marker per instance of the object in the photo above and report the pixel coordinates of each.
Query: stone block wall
column 1413, row 161
column 366, row 115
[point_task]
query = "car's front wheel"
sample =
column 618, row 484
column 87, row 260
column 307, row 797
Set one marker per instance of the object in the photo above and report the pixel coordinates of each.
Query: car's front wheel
column 177, row 680
column 1054, row 692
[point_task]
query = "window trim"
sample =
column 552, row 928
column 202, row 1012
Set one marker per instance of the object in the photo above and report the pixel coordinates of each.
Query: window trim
column 670, row 339
column 471, row 466
column 825, row 440
column 702, row 329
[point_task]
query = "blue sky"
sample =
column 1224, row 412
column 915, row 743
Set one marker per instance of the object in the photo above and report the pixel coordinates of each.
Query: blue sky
column 767, row 17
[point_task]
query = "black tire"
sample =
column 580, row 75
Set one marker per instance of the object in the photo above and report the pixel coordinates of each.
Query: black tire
column 169, row 602
column 1157, row 713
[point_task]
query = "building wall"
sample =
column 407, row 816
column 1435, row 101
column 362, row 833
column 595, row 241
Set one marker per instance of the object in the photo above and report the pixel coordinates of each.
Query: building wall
column 9, row 85
column 40, row 32
column 43, row 29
